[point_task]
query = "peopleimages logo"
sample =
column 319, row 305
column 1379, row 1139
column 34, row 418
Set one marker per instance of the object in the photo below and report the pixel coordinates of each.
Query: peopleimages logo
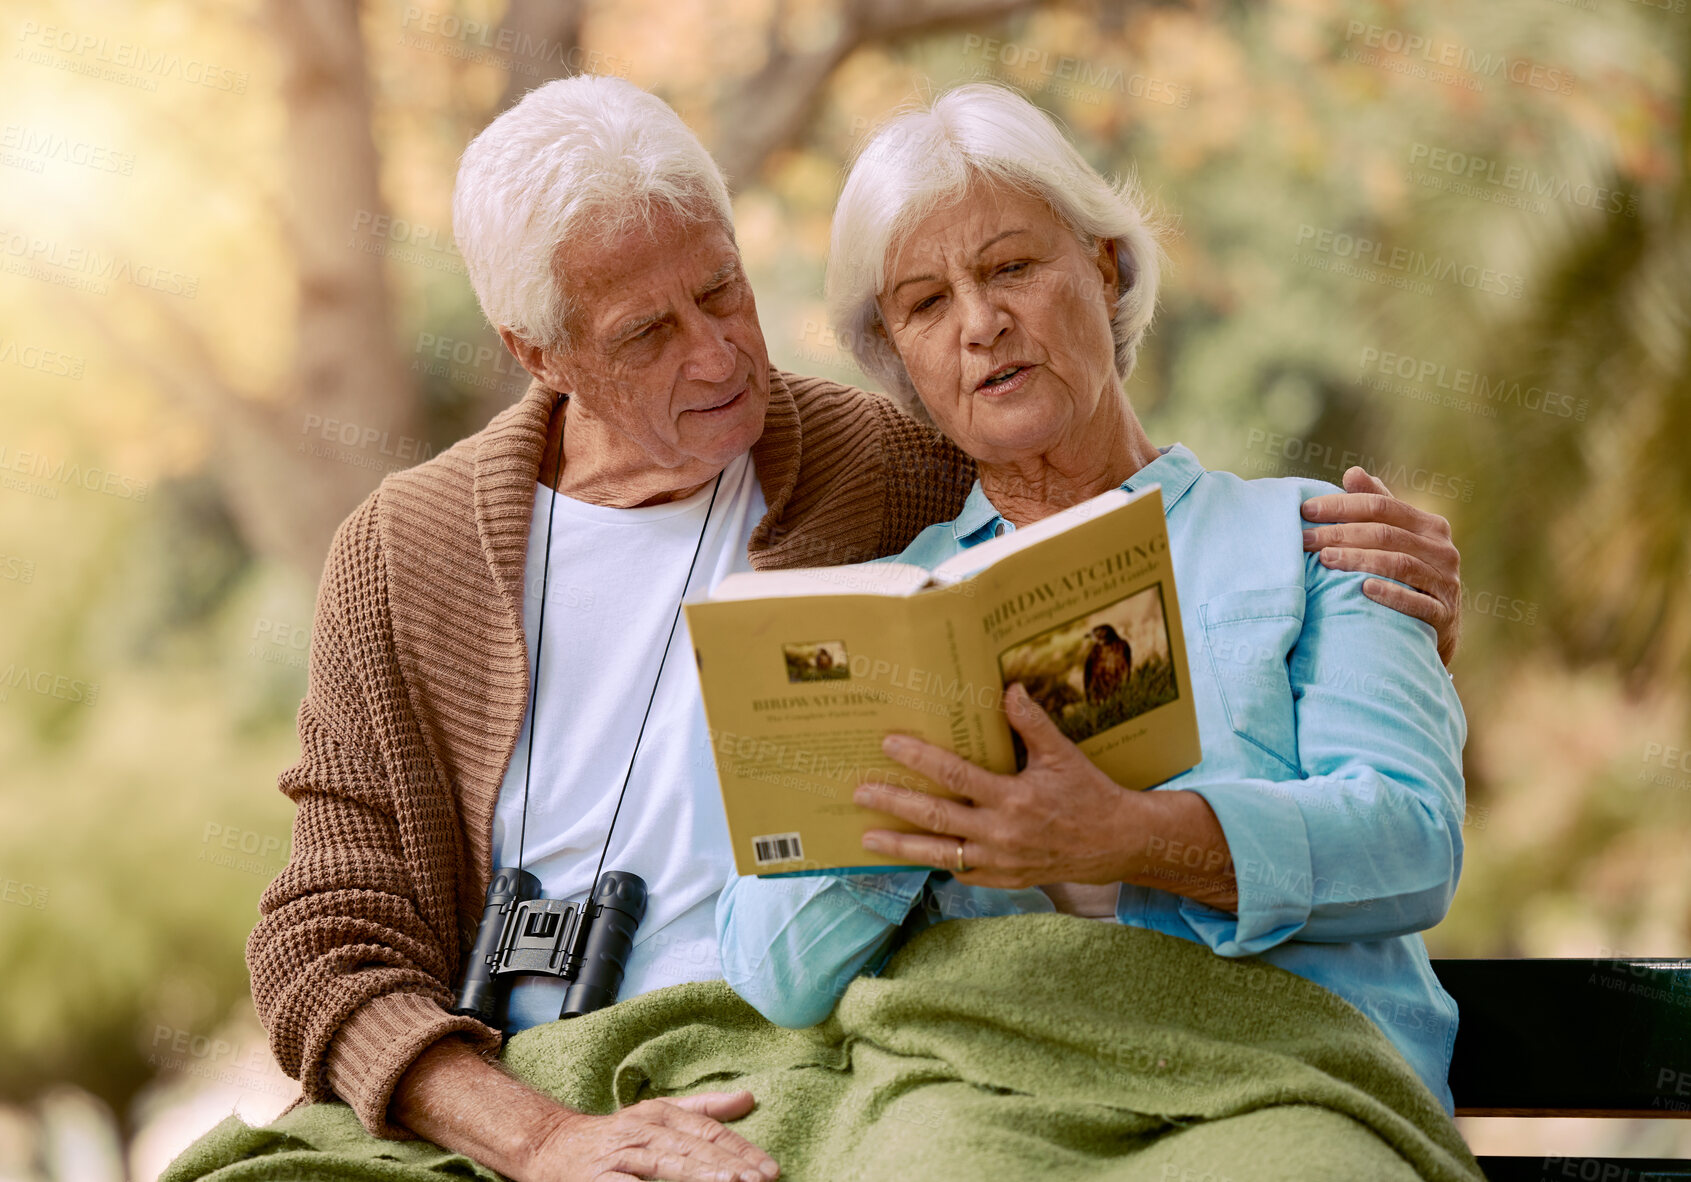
column 45, row 258
column 50, row 362
column 1470, row 384
column 497, row 45
column 43, row 145
column 128, row 55
column 408, row 242
column 1054, row 68
column 347, row 434
column 44, row 475
column 23, row 894
column 16, row 570
column 48, row 684
column 1454, row 56
column 1322, row 459
column 1663, row 764
column 1517, row 178
column 1411, row 264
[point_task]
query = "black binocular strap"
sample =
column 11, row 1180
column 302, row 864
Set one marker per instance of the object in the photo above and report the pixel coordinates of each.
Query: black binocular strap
column 540, row 634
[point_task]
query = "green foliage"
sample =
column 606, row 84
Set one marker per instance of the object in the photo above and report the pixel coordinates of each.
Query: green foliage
column 119, row 809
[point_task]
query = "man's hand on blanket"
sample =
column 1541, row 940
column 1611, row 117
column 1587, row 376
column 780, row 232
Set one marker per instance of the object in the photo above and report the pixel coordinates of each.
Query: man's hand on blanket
column 457, row 1099
column 678, row 1140
column 1380, row 535
column 1060, row 819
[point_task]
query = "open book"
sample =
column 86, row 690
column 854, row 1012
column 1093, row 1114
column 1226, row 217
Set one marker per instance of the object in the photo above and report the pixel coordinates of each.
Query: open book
column 805, row 671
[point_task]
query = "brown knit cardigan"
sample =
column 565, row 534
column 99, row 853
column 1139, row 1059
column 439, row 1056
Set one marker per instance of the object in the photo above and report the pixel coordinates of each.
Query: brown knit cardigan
column 417, row 691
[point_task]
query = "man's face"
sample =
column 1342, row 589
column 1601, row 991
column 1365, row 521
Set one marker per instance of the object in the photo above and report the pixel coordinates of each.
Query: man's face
column 665, row 348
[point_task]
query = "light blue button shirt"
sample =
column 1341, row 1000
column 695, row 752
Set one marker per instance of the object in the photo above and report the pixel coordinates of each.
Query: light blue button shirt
column 1332, row 741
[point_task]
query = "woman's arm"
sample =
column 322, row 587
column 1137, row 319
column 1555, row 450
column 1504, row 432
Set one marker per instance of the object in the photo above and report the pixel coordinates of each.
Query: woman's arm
column 1366, row 845
column 790, row 946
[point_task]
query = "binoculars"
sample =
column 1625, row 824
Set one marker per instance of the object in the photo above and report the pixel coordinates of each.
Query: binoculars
column 522, row 934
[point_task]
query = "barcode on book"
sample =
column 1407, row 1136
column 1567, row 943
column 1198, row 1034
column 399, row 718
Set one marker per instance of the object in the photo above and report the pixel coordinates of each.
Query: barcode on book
column 777, row 847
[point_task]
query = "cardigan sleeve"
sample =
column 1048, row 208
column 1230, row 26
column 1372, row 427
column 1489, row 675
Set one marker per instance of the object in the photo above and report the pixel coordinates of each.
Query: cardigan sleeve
column 865, row 478
column 925, row 476
column 349, row 962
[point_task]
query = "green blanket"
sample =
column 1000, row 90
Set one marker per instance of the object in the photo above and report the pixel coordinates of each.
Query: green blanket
column 1027, row 1047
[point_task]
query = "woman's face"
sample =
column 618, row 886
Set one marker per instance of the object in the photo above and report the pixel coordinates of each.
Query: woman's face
column 1002, row 319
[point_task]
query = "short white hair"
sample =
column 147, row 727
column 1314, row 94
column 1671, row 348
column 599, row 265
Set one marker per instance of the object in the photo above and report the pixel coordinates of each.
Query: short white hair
column 925, row 158
column 577, row 160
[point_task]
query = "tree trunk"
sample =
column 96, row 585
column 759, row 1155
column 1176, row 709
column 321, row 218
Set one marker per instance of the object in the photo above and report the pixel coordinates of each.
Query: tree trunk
column 552, row 25
column 346, row 367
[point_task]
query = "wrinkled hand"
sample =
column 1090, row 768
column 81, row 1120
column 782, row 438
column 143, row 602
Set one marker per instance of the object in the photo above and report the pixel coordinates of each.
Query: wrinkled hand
column 1058, row 820
column 680, row 1140
column 1381, row 535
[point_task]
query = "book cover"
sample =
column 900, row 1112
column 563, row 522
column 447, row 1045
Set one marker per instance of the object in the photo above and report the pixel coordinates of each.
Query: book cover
column 804, row 672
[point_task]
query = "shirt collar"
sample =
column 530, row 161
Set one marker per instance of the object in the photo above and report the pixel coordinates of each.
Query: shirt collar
column 1175, row 468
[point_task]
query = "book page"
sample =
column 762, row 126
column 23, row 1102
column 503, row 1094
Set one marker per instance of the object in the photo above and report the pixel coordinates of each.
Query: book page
column 978, row 558
column 862, row 578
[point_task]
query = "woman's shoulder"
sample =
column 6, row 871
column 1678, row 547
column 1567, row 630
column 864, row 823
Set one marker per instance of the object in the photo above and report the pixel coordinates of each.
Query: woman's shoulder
column 1265, row 506
column 1267, row 493
column 1243, row 535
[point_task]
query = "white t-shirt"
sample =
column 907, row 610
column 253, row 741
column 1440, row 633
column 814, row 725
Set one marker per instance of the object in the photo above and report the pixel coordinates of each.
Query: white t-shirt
column 615, row 580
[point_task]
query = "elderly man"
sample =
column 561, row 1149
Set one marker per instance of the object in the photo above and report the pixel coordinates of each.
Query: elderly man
column 656, row 451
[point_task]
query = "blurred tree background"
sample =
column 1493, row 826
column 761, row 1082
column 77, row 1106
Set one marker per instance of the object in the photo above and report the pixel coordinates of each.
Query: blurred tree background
column 1450, row 241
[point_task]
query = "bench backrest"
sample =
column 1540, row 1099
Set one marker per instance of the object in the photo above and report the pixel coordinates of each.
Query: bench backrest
column 1571, row 1037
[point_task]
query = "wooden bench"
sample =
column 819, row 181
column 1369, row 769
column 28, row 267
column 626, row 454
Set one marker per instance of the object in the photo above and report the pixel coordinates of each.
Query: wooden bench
column 1572, row 1038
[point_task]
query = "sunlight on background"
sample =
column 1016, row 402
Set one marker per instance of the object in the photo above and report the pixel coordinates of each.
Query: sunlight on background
column 229, row 303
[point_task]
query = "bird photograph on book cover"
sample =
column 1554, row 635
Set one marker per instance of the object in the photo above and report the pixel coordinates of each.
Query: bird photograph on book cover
column 1099, row 670
column 817, row 660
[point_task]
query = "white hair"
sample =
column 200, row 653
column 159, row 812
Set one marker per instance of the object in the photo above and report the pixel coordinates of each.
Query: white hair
column 581, row 159
column 925, row 158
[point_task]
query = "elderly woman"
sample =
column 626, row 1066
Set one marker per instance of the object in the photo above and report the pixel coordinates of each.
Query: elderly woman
column 995, row 280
